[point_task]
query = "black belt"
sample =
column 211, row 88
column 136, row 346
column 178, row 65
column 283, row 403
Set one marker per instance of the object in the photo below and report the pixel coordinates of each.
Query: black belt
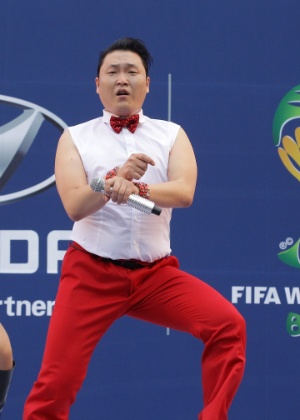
column 131, row 264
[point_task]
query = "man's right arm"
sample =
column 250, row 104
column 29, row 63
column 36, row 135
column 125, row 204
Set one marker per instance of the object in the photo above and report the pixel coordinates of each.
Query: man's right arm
column 76, row 195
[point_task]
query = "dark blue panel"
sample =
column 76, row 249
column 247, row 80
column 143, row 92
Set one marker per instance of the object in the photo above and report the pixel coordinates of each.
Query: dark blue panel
column 231, row 64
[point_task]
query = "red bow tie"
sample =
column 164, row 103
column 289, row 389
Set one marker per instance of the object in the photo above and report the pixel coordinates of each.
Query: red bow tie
column 118, row 123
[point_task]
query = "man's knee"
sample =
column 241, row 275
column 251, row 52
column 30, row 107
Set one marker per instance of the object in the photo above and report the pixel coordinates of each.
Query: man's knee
column 6, row 353
column 239, row 323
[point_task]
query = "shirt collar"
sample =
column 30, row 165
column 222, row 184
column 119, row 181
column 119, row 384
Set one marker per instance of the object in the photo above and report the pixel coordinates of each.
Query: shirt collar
column 107, row 115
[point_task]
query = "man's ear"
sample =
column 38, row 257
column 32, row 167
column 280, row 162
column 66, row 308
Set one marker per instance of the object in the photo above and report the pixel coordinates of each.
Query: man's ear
column 97, row 82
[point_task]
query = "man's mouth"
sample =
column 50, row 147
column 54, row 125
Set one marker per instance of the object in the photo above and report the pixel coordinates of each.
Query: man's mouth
column 122, row 92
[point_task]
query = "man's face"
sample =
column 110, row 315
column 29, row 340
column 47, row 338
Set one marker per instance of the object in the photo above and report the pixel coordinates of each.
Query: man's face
column 122, row 84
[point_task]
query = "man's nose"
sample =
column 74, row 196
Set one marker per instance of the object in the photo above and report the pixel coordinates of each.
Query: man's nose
column 122, row 79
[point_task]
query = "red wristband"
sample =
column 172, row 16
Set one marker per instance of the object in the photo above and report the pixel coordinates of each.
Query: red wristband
column 144, row 190
column 112, row 173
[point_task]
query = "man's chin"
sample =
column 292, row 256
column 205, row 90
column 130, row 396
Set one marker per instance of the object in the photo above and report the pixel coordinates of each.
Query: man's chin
column 124, row 111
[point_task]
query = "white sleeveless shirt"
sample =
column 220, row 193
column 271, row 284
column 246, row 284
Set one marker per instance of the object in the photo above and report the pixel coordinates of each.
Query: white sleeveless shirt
column 119, row 231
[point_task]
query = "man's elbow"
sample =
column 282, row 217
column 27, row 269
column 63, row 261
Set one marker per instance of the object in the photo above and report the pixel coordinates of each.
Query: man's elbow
column 74, row 214
column 187, row 200
column 75, row 217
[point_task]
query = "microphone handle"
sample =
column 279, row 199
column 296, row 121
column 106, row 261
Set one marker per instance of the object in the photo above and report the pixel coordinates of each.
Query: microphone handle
column 134, row 200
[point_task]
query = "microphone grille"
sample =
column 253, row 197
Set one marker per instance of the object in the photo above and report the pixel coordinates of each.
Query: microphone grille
column 97, row 184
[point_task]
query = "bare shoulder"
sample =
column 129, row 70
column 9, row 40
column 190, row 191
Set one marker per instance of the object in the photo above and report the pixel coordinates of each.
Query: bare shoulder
column 66, row 149
column 65, row 140
column 182, row 144
column 182, row 161
column 68, row 161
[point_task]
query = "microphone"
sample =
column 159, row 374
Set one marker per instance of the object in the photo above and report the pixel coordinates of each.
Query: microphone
column 134, row 200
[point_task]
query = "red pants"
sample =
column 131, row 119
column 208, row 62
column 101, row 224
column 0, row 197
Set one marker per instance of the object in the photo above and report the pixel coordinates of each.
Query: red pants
column 92, row 294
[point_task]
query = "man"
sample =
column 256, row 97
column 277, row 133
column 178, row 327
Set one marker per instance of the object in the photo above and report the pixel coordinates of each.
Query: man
column 119, row 262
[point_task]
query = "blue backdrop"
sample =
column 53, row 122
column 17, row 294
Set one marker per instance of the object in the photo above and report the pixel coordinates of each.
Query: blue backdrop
column 231, row 64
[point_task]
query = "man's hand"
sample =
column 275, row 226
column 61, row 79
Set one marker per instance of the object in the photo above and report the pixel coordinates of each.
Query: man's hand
column 135, row 166
column 119, row 189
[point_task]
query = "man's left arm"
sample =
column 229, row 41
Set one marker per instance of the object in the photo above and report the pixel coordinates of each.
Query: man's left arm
column 179, row 190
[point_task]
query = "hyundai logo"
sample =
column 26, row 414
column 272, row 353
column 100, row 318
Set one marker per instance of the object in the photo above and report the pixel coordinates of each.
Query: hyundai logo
column 16, row 138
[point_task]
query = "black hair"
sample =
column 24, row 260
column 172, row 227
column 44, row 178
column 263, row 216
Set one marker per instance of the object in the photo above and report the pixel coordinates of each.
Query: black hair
column 128, row 44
